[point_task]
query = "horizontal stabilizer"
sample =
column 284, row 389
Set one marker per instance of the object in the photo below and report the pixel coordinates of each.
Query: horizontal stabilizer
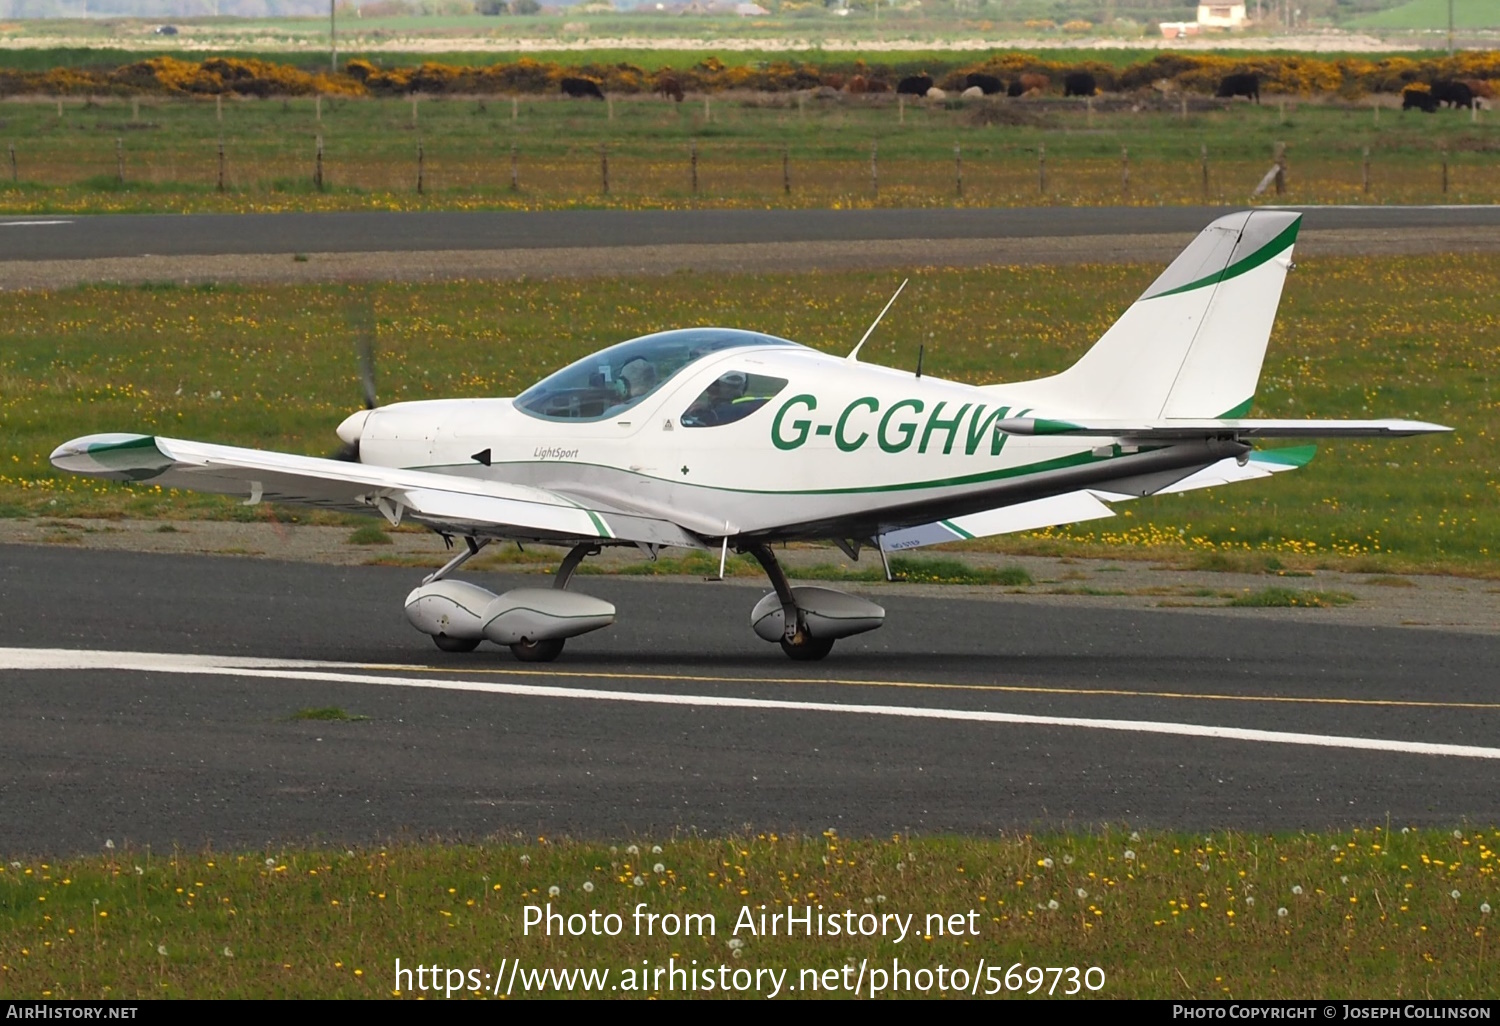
column 1177, row 429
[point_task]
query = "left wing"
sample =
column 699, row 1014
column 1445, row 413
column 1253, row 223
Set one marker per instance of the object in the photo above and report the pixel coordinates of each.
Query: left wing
column 443, row 502
column 1087, row 503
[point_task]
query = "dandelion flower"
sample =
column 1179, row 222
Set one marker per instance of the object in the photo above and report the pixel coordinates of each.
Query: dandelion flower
column 270, row 862
column 1406, row 830
column 1296, row 888
column 1045, row 863
column 658, row 868
column 1129, row 855
column 227, row 952
column 1484, row 909
column 1135, row 835
column 161, row 949
column 588, row 887
column 139, row 871
column 110, row 844
column 1458, row 835
column 736, row 953
column 1081, row 893
column 735, row 943
column 553, row 891
column 1067, row 860
column 632, row 850
column 638, row 882
column 1053, row 905
column 1454, row 894
column 1343, row 879
column 1250, row 902
column 880, row 900
column 656, row 849
column 1281, row 912
column 525, row 860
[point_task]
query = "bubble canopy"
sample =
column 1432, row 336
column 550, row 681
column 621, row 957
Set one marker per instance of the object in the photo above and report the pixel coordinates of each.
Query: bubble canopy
column 613, row 380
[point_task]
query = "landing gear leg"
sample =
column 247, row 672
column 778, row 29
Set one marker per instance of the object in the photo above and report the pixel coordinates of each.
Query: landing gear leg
column 548, row 650
column 796, row 642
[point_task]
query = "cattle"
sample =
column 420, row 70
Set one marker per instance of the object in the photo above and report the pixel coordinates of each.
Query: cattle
column 1418, row 98
column 972, row 93
column 1080, row 83
column 581, row 88
column 1480, row 88
column 1030, row 83
column 1456, row 93
column 989, row 85
column 914, row 85
column 1016, row 88
column 1246, row 85
column 669, row 86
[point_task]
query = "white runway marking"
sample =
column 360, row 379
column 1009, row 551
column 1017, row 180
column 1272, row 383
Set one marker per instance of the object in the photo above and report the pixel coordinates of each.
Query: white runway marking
column 296, row 669
column 28, row 224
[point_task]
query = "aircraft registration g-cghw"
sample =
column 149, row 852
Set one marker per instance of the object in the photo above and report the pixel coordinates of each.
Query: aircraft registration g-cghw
column 719, row 439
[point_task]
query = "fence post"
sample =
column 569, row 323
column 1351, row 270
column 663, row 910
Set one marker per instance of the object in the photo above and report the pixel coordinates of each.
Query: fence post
column 13, row 173
column 318, row 166
column 515, row 171
column 1445, row 172
column 693, row 161
column 874, row 169
column 1365, row 172
column 604, row 168
column 120, row 162
column 1203, row 156
column 1280, row 161
column 786, row 170
column 1124, row 173
column 421, row 168
column 900, row 109
column 1041, row 168
column 958, row 169
column 318, row 108
column 221, row 164
column 219, row 107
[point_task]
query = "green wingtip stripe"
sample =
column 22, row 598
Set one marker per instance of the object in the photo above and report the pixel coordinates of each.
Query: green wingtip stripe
column 1286, row 238
column 599, row 525
column 139, row 442
column 1042, row 426
column 1242, row 410
column 950, row 525
column 1290, row 456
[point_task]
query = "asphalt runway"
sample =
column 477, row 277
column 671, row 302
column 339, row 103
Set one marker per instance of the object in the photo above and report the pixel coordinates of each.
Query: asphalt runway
column 960, row 715
column 132, row 235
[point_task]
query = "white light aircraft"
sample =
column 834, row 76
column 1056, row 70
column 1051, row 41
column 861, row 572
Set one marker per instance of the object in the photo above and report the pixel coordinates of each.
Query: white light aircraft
column 720, row 439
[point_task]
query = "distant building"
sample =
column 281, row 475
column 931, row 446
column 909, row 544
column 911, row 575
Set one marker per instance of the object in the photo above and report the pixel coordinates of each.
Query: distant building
column 1221, row 15
column 750, row 10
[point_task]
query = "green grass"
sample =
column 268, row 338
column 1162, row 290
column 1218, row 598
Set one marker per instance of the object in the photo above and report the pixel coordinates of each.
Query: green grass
column 904, row 570
column 1362, row 913
column 68, row 163
column 274, row 367
column 369, row 534
column 330, row 713
column 1432, row 15
column 1287, row 598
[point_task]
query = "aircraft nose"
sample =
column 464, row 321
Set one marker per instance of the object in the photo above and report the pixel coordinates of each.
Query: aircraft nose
column 352, row 427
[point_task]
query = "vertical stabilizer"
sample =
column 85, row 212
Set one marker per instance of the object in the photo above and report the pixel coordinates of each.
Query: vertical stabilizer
column 1192, row 345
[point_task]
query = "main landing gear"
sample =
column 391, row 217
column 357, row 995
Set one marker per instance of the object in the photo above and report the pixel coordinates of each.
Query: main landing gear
column 533, row 623
column 807, row 621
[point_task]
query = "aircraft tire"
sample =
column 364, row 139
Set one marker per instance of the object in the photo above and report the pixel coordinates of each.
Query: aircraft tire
column 809, row 651
column 538, row 651
column 448, row 644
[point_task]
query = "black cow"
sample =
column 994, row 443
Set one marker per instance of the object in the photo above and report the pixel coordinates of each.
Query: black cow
column 989, row 84
column 581, row 88
column 1418, row 99
column 1246, row 85
column 1457, row 93
column 914, row 85
column 1016, row 89
column 1079, row 83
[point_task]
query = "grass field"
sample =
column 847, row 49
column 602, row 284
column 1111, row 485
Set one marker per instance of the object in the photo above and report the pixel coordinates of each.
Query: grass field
column 274, row 367
column 119, row 155
column 1366, row 913
column 1432, row 15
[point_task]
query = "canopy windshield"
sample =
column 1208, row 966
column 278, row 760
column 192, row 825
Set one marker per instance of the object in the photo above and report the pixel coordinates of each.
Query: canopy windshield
column 613, row 380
